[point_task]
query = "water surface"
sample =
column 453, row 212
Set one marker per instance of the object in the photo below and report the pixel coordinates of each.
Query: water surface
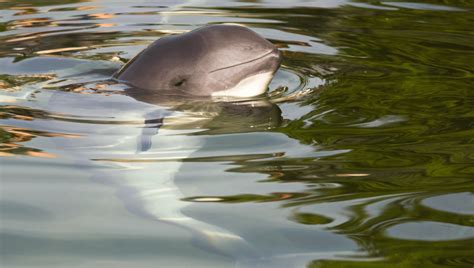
column 361, row 155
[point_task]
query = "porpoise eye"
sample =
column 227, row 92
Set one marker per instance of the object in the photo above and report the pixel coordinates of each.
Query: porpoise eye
column 180, row 83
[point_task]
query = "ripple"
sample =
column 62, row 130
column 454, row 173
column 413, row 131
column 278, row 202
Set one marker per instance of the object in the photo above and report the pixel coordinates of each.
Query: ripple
column 291, row 85
column 460, row 203
column 281, row 4
column 297, row 42
column 369, row 6
column 422, row 6
column 430, row 231
column 386, row 120
column 23, row 212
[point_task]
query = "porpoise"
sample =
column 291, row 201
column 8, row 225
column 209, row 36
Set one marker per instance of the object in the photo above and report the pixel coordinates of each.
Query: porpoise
column 212, row 61
column 216, row 60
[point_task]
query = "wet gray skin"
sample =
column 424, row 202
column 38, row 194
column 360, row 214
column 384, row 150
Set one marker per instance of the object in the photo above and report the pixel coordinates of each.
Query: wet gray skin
column 203, row 62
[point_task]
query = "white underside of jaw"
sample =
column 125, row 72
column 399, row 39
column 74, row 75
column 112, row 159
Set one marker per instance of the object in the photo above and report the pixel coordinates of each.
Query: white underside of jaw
column 249, row 87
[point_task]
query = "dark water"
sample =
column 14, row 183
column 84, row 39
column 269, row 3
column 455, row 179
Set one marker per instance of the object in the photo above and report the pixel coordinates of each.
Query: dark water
column 362, row 154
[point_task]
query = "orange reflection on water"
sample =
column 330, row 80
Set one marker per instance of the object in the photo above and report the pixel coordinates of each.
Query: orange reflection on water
column 12, row 137
column 23, row 117
column 23, row 38
column 283, row 196
column 352, row 175
column 41, row 154
column 56, row 50
column 81, row 8
column 106, row 24
column 24, row 10
column 102, row 15
column 34, row 22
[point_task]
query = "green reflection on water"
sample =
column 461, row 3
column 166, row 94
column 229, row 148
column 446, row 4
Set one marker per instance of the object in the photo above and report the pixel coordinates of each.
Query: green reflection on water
column 413, row 67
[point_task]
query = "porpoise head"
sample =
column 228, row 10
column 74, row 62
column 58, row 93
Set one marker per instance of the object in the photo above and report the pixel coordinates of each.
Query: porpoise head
column 217, row 60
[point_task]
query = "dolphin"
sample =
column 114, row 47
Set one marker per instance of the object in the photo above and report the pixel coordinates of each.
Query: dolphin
column 211, row 61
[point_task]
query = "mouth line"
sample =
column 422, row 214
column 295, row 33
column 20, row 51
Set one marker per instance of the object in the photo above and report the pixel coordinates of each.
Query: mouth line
column 244, row 62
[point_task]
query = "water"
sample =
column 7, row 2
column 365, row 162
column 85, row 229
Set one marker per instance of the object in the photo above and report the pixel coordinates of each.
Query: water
column 361, row 155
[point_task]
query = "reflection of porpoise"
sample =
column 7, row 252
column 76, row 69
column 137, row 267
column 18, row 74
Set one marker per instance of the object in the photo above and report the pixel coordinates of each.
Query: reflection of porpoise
column 217, row 60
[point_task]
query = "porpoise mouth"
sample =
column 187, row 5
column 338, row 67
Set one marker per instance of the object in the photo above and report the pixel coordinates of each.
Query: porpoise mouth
column 255, row 80
column 249, row 87
column 273, row 51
